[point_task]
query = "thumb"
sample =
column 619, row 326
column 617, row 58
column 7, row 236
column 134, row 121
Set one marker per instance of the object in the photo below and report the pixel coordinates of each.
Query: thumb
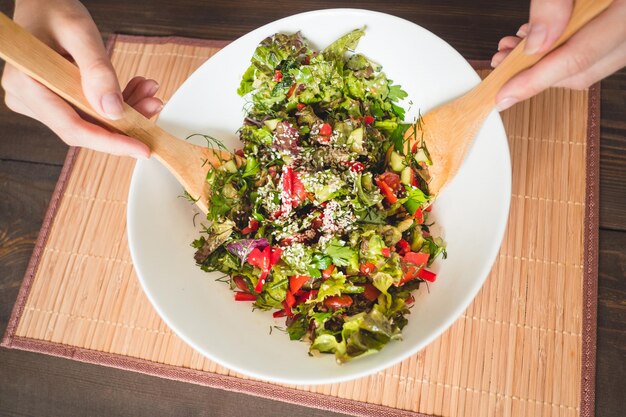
column 81, row 39
column 548, row 19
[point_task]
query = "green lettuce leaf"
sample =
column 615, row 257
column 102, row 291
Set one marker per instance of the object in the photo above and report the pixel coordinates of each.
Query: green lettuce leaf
column 372, row 245
column 245, row 86
column 275, row 49
column 327, row 343
column 332, row 286
column 348, row 42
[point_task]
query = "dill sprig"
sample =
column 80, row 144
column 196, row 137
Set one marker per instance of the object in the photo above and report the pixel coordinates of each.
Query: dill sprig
column 213, row 144
column 189, row 197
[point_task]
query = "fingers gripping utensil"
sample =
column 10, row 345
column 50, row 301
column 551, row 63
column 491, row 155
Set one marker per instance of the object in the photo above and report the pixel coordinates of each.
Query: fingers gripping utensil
column 449, row 130
column 188, row 163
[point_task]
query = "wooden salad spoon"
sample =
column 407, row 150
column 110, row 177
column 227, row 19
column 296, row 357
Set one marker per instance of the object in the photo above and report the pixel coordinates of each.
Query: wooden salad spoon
column 450, row 129
column 189, row 163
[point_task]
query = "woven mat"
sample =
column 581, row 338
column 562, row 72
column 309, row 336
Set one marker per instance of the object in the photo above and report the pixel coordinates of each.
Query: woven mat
column 526, row 346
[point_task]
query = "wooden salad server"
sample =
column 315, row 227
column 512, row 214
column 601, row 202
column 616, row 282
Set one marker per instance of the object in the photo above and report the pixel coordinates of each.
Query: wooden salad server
column 189, row 163
column 449, row 130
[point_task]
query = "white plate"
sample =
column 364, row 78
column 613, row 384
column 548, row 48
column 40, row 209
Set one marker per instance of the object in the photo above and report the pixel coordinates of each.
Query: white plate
column 471, row 213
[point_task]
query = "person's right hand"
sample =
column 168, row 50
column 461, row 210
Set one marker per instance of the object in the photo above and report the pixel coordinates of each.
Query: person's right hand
column 596, row 51
column 67, row 27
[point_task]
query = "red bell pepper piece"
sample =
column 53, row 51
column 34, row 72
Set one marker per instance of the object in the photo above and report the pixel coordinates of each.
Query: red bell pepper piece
column 419, row 216
column 427, row 275
column 326, row 129
column 417, row 258
column 367, row 268
column 386, row 190
column 298, row 188
column 275, row 254
column 328, row 271
column 279, row 313
column 290, row 300
column 244, row 296
column 260, row 282
column 300, row 106
column 293, row 188
column 287, row 182
column 296, row 282
column 264, row 260
column 368, row 120
column 386, row 252
column 403, row 247
column 278, row 75
column 260, row 258
column 413, row 263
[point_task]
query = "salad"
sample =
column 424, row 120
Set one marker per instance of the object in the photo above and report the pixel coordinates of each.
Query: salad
column 323, row 218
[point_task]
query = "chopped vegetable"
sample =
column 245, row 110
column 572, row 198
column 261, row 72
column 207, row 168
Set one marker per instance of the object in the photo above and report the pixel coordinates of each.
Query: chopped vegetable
column 387, row 191
column 244, row 296
column 296, row 282
column 264, row 260
column 324, row 219
column 338, row 301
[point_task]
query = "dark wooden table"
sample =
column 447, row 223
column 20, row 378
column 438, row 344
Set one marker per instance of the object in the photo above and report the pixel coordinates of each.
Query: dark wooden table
column 31, row 158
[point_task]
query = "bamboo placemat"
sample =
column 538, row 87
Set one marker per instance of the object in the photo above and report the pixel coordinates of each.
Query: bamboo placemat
column 526, row 345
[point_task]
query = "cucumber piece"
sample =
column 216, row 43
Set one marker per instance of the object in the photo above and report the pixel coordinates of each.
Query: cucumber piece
column 405, row 224
column 406, row 176
column 421, row 156
column 417, row 240
column 396, row 161
column 271, row 124
column 229, row 166
column 367, row 182
column 355, row 140
column 229, row 191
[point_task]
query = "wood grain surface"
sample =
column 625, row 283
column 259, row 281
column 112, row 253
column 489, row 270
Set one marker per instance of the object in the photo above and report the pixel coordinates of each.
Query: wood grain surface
column 31, row 158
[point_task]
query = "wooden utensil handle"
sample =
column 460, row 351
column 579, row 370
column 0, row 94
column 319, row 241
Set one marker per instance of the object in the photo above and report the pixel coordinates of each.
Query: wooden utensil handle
column 584, row 11
column 24, row 51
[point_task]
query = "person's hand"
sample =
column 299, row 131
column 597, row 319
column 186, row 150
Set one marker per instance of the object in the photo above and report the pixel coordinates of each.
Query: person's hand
column 594, row 52
column 67, row 27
